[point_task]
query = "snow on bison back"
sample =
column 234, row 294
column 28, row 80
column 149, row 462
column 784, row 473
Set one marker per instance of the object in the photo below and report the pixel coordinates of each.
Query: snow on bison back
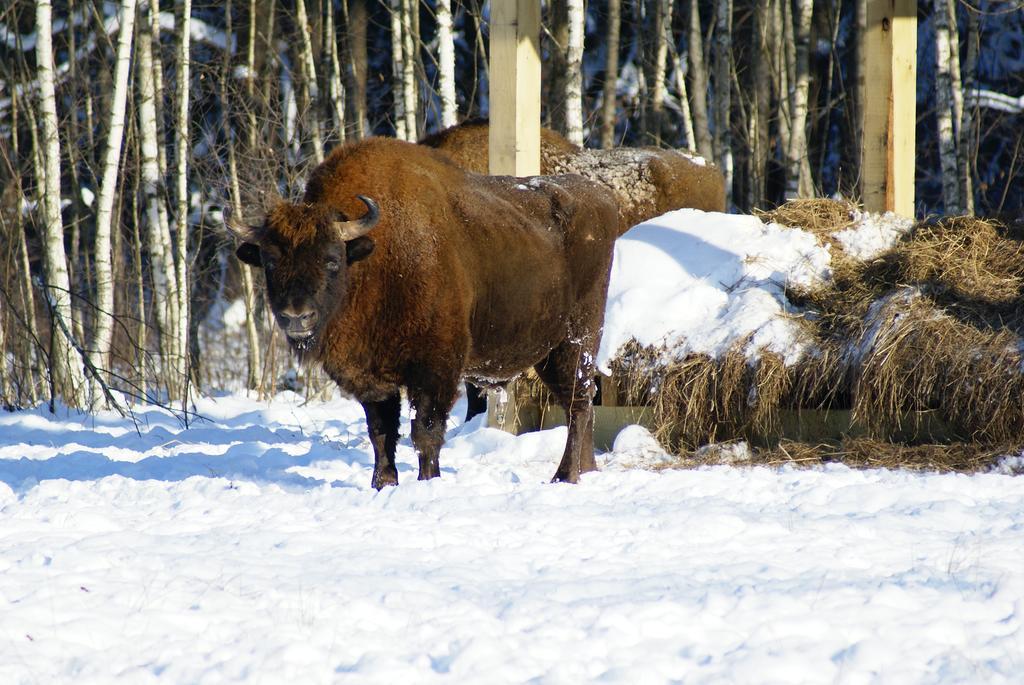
column 401, row 270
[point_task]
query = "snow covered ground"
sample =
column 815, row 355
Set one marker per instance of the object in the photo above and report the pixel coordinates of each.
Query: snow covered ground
column 250, row 548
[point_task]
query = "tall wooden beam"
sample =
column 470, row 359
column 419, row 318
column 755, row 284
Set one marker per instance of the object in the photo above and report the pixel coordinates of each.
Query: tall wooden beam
column 889, row 70
column 515, row 88
column 514, row 138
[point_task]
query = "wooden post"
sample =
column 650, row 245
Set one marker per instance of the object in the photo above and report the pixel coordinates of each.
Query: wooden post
column 514, row 139
column 515, row 88
column 889, row 90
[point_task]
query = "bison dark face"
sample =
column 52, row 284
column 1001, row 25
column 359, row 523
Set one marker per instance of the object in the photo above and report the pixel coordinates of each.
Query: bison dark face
column 305, row 252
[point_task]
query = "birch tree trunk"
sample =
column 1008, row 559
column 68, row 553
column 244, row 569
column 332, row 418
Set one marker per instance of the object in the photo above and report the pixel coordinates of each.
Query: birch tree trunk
column 180, row 387
column 798, row 181
column 158, row 234
column 968, row 120
column 27, row 297
column 290, row 134
column 6, row 396
column 684, row 100
column 609, row 103
column 410, row 41
column 642, row 63
column 332, row 73
column 699, row 83
column 397, row 73
column 255, row 363
column 29, row 305
column 723, row 92
column 574, row 72
column 72, row 132
column 248, row 290
column 781, row 38
column 158, row 87
column 308, row 88
column 65, row 361
column 761, row 100
column 446, row 63
column 944, row 112
column 957, row 87
column 662, row 28
column 141, row 356
column 250, row 80
column 104, row 321
column 954, row 67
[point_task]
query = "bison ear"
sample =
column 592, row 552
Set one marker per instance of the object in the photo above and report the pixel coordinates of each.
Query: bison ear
column 358, row 248
column 250, row 254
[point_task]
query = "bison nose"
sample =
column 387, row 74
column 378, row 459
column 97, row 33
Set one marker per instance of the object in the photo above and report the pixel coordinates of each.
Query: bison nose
column 298, row 322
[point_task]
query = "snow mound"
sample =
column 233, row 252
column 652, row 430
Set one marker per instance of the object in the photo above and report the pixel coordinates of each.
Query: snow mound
column 702, row 282
column 636, row 447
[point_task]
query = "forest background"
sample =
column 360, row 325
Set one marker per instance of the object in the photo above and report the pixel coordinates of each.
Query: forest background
column 129, row 130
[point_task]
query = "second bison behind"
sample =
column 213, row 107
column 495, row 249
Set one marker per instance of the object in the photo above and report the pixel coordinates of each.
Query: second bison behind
column 401, row 270
column 646, row 181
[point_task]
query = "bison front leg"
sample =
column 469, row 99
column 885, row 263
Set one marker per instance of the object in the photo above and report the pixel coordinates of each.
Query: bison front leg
column 382, row 419
column 568, row 371
column 428, row 426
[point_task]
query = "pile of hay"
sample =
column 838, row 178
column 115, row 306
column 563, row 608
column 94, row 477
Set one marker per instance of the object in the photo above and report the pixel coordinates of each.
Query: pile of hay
column 928, row 334
column 700, row 399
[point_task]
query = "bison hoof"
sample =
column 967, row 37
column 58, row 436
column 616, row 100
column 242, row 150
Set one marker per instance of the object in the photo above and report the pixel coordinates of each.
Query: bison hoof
column 565, row 477
column 382, row 480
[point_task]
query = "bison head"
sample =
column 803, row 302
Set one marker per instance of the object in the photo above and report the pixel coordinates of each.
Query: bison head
column 305, row 252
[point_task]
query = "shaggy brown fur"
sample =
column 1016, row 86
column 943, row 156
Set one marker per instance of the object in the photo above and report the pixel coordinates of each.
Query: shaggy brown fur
column 647, row 182
column 463, row 275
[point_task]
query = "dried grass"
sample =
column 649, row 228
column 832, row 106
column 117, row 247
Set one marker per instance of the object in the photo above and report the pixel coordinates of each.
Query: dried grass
column 968, row 257
column 820, row 216
column 931, row 328
column 697, row 399
column 871, row 453
column 913, row 357
column 923, row 343
column 972, row 266
column 963, row 457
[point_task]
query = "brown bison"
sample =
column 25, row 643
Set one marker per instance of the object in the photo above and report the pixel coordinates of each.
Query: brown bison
column 401, row 270
column 647, row 182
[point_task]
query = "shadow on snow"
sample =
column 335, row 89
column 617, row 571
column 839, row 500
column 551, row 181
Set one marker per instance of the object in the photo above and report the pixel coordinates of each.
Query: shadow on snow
column 250, row 452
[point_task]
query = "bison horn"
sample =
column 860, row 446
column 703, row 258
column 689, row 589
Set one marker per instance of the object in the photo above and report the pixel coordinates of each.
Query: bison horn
column 347, row 230
column 243, row 232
